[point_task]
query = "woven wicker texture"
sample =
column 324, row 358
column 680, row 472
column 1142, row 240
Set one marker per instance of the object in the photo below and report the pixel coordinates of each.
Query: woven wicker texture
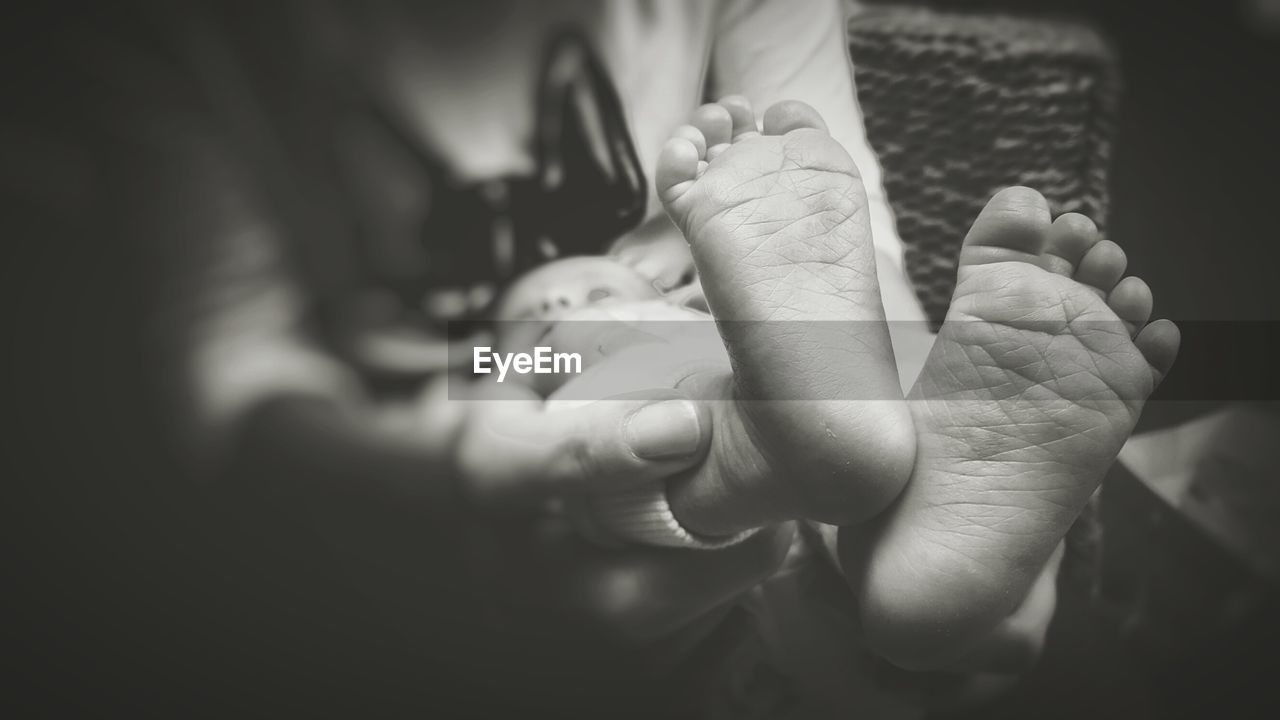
column 959, row 106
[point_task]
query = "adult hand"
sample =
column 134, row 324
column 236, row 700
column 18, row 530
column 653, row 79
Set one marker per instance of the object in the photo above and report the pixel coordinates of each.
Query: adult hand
column 513, row 450
column 515, row 454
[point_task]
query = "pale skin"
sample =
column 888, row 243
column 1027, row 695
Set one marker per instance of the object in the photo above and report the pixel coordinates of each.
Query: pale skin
column 564, row 292
column 996, row 618
column 1034, row 384
column 561, row 293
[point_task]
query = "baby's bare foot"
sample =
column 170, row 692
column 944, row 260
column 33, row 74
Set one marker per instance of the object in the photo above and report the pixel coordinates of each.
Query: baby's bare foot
column 1034, row 384
column 777, row 221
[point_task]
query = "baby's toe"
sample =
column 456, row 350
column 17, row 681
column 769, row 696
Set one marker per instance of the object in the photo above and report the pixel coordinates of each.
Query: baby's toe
column 1102, row 267
column 1131, row 301
column 743, row 115
column 783, row 117
column 1159, row 343
column 716, row 125
column 1011, row 227
column 693, row 135
column 678, row 166
column 1070, row 237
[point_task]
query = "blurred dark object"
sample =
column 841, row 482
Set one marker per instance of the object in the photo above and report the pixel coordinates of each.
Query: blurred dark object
column 959, row 106
column 1180, row 627
column 588, row 189
column 1197, row 618
column 1261, row 16
column 1220, row 472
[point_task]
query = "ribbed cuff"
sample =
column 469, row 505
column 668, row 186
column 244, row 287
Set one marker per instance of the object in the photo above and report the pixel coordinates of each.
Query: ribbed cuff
column 642, row 515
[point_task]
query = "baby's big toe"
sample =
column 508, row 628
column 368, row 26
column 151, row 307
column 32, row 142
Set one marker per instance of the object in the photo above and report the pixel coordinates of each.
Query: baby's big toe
column 1013, row 226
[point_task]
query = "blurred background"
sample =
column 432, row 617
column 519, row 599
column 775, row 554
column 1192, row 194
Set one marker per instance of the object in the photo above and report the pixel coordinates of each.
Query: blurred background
column 1180, row 105
column 1160, row 120
column 121, row 581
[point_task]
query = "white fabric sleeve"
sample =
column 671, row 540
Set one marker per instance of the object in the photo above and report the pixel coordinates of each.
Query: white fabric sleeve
column 642, row 515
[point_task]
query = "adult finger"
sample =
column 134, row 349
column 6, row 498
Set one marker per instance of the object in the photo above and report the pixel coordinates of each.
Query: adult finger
column 514, row 449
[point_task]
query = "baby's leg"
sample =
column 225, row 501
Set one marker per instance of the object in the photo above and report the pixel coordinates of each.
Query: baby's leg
column 777, row 223
column 1035, row 382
